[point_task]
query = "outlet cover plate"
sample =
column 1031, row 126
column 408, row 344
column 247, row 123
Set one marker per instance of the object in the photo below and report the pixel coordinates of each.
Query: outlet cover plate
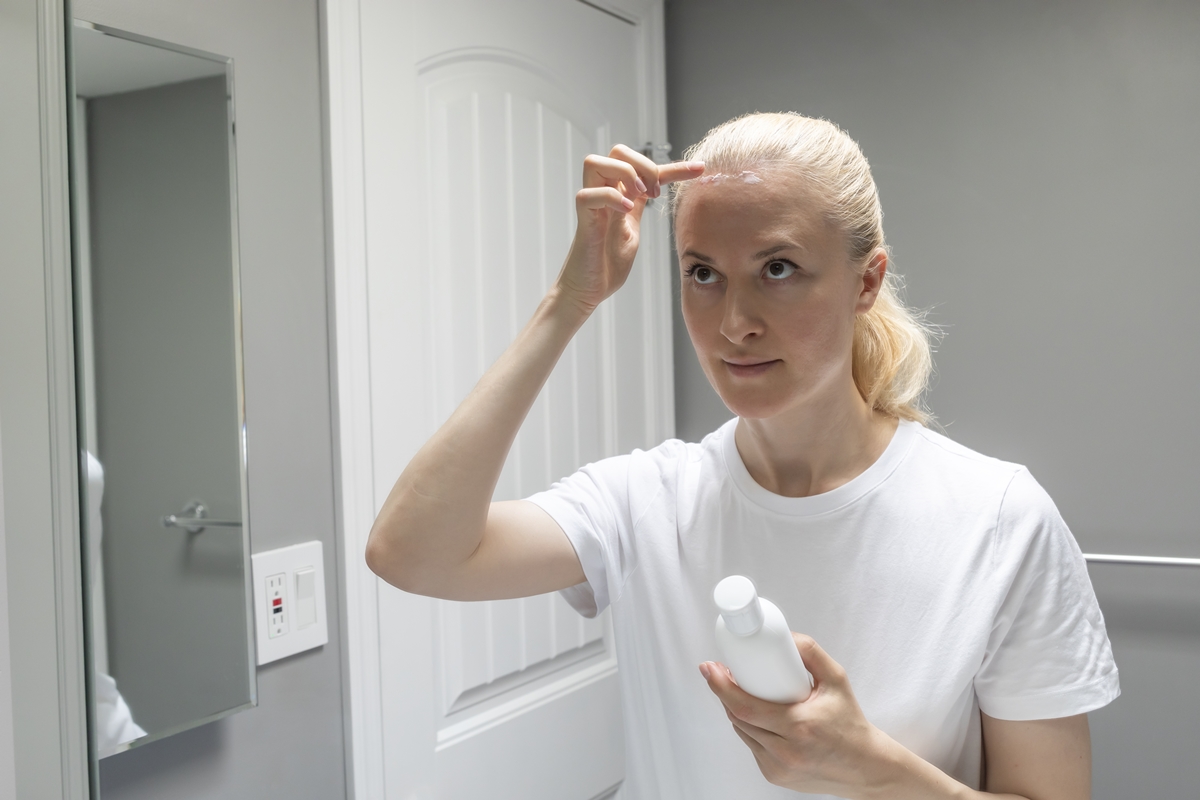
column 289, row 561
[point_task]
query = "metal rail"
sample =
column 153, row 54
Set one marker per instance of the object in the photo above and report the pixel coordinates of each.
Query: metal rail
column 194, row 518
column 1146, row 561
column 197, row 524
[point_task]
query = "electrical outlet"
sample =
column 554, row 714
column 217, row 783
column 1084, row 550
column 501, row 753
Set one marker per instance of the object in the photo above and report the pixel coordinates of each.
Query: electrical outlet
column 289, row 601
column 276, row 605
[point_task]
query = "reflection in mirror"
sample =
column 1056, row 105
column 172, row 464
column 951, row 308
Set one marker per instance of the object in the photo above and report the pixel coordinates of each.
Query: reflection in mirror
column 159, row 387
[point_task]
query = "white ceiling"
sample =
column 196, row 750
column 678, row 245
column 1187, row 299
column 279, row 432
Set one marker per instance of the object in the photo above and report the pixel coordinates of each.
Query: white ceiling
column 109, row 65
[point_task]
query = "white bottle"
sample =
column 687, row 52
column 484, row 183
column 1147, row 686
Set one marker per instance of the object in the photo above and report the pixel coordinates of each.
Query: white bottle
column 756, row 644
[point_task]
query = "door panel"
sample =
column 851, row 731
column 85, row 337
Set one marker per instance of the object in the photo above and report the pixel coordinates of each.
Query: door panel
column 483, row 117
column 477, row 117
column 574, row 748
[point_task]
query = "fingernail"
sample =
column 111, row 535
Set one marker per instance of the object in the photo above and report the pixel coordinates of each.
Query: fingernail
column 704, row 670
column 641, row 187
column 627, row 203
column 695, row 165
column 657, row 190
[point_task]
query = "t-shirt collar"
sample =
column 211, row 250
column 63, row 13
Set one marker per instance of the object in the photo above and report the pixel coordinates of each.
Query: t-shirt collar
column 822, row 503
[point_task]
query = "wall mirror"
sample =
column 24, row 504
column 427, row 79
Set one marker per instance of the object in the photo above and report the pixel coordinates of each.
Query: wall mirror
column 159, row 387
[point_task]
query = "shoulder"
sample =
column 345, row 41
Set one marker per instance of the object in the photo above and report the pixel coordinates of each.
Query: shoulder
column 640, row 478
column 671, row 460
column 945, row 451
column 958, row 468
column 1019, row 483
column 1023, row 511
column 1008, row 488
column 653, row 465
column 675, row 468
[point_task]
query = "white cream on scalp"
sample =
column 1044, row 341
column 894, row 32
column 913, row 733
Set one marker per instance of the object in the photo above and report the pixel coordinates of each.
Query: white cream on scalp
column 745, row 176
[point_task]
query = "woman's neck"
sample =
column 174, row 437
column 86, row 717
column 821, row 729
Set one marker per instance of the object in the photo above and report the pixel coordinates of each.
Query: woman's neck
column 815, row 448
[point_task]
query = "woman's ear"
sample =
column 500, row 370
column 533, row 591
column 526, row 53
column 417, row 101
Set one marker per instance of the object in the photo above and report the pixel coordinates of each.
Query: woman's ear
column 872, row 281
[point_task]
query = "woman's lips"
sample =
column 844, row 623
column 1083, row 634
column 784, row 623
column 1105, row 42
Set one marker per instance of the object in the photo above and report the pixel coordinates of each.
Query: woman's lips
column 750, row 370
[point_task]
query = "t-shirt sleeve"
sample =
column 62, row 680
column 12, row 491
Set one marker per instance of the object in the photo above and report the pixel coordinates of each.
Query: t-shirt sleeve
column 592, row 507
column 1048, row 654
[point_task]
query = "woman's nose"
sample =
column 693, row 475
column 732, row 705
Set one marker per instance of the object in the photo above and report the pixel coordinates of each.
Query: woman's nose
column 741, row 320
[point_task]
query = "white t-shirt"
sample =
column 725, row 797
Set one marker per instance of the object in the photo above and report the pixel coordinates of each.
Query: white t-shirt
column 943, row 581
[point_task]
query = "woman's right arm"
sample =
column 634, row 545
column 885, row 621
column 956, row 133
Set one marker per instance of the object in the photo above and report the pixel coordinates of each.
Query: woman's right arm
column 438, row 532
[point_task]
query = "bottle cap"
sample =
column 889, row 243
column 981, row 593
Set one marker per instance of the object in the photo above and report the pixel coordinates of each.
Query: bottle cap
column 737, row 600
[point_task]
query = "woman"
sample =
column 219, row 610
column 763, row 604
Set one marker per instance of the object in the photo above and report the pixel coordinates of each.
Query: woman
column 968, row 642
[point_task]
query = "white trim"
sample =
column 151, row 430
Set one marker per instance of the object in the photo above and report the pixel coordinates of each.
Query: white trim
column 64, row 449
column 654, row 80
column 363, row 689
column 45, row 668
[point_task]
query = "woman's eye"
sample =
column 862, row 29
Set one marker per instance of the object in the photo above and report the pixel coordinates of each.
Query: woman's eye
column 703, row 275
column 778, row 270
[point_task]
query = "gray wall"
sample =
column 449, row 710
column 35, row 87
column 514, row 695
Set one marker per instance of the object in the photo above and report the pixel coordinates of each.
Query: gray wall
column 166, row 399
column 1037, row 164
column 292, row 744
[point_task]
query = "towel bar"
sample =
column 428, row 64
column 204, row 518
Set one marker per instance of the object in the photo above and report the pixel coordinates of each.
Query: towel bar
column 194, row 518
column 1148, row 561
column 199, row 523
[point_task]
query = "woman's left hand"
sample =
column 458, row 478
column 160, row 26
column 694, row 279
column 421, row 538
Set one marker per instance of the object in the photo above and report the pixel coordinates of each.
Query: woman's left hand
column 822, row 745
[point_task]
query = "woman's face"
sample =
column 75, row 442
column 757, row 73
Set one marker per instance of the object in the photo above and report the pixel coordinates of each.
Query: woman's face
column 769, row 292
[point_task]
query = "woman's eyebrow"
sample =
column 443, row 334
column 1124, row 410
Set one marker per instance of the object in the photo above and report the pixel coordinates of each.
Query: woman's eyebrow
column 770, row 251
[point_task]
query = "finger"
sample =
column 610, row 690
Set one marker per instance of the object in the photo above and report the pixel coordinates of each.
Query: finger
column 741, row 704
column 603, row 197
column 647, row 170
column 679, row 171
column 604, row 171
column 639, row 205
column 822, row 666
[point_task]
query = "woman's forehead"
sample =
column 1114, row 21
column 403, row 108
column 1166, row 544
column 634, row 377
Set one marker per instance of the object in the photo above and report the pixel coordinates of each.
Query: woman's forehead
column 775, row 206
column 767, row 188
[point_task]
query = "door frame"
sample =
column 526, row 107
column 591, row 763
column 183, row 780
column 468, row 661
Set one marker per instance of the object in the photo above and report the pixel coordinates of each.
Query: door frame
column 363, row 689
column 40, row 532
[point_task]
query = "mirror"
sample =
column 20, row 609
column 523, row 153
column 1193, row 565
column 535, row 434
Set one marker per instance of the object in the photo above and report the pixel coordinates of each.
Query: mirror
column 159, row 387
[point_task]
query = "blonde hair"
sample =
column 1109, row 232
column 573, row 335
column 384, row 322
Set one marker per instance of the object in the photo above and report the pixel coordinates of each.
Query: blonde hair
column 892, row 353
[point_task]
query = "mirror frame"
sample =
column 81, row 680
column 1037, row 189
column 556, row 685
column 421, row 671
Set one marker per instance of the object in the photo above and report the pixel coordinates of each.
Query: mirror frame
column 251, row 650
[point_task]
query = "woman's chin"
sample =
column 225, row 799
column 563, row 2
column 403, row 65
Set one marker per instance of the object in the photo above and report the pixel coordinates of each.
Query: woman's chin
column 753, row 405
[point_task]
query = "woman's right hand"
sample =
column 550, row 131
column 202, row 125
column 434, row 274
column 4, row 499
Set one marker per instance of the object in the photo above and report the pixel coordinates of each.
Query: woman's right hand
column 609, row 207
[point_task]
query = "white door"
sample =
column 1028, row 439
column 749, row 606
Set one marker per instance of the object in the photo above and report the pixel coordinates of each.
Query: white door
column 476, row 116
